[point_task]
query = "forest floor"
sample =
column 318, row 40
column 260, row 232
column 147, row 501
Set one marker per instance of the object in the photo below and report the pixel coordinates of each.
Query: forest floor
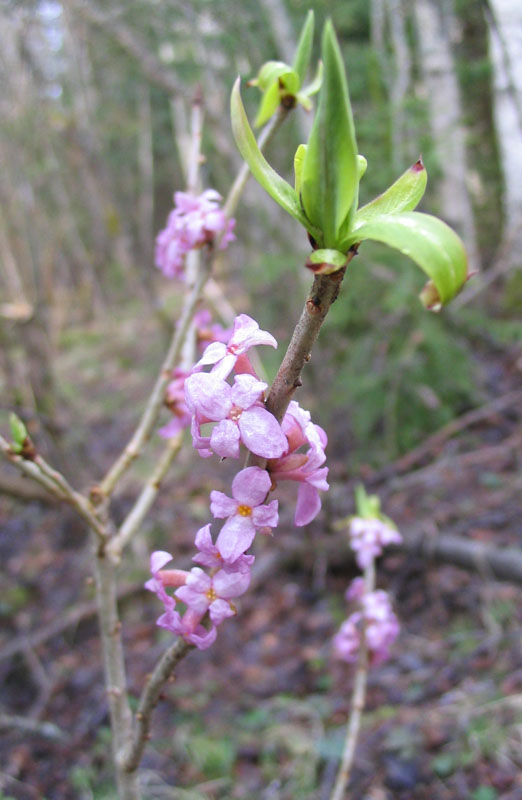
column 261, row 715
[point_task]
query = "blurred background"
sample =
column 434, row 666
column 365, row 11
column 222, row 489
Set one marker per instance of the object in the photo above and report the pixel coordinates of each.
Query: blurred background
column 94, row 115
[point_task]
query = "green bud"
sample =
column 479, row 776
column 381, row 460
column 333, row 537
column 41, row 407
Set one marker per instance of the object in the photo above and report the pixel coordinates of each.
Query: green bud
column 330, row 169
column 18, row 432
column 324, row 262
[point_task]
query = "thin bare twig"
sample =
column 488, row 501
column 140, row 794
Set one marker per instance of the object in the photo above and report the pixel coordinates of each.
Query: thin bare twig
column 358, row 701
column 52, row 480
column 145, row 499
column 437, row 439
column 149, row 700
column 46, row 729
column 155, row 402
column 67, row 619
column 114, row 673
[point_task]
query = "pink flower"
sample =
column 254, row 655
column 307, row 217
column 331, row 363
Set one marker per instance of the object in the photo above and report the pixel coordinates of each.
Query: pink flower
column 368, row 537
column 381, row 626
column 210, row 556
column 245, row 511
column 175, row 400
column 347, row 640
column 195, row 221
column 189, row 627
column 245, row 334
column 240, row 414
column 208, row 331
column 203, row 593
column 302, row 467
column 161, row 577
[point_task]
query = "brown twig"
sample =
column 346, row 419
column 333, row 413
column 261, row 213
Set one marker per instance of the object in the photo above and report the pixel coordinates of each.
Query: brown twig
column 55, row 483
column 144, row 500
column 114, row 673
column 437, row 439
column 155, row 402
column 148, row 702
column 323, row 293
column 483, row 455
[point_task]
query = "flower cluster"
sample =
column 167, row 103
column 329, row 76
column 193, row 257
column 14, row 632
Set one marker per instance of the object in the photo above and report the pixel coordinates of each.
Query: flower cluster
column 376, row 616
column 245, row 513
column 368, row 537
column 194, row 222
column 225, row 408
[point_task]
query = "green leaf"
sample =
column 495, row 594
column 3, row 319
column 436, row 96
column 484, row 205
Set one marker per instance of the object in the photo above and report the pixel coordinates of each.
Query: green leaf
column 18, row 431
column 274, row 184
column 268, row 105
column 362, row 166
column 437, row 249
column 367, row 506
column 298, row 166
column 269, row 72
column 315, row 85
column 330, row 174
column 276, row 80
column 304, row 47
column 403, row 195
column 324, row 262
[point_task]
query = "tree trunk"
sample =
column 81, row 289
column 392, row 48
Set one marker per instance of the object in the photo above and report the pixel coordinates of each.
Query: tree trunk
column 433, row 22
column 505, row 24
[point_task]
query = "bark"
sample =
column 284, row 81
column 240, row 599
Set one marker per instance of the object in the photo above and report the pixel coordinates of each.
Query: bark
column 505, row 27
column 400, row 85
column 433, row 22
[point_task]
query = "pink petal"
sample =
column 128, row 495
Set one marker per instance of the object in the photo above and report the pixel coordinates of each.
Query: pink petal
column 251, row 486
column 158, row 560
column 202, row 638
column 246, row 390
column 196, row 601
column 209, row 395
column 248, row 334
column 266, row 516
column 224, row 367
column 308, row 504
column 224, row 439
column 230, row 584
column 214, row 352
column 219, row 610
column 261, row 433
column 235, row 537
column 203, row 540
column 170, row 620
column 221, row 506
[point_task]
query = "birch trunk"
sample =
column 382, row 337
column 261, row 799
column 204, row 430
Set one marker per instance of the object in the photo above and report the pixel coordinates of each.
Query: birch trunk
column 433, row 23
column 505, row 25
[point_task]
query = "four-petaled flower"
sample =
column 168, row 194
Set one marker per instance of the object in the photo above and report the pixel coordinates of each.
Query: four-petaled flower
column 245, row 334
column 210, row 556
column 203, row 593
column 369, row 536
column 240, row 413
column 245, row 512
